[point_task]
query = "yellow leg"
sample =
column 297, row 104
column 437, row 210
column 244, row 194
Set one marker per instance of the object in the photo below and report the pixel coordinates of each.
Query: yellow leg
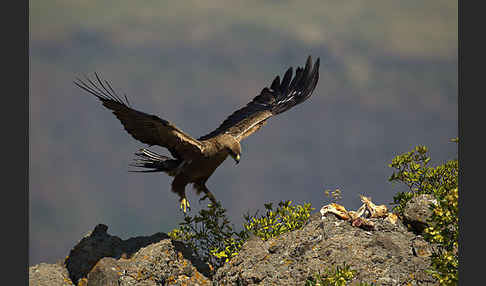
column 184, row 204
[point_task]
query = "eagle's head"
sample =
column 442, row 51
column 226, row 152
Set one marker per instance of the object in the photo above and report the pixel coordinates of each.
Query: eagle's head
column 235, row 153
column 233, row 148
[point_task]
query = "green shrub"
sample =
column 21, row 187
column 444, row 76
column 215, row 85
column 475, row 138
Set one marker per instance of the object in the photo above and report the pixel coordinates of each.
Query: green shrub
column 275, row 222
column 209, row 232
column 339, row 276
column 212, row 238
column 444, row 231
column 412, row 170
column 442, row 183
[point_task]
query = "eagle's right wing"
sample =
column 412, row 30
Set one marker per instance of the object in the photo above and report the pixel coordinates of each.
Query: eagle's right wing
column 146, row 128
column 280, row 97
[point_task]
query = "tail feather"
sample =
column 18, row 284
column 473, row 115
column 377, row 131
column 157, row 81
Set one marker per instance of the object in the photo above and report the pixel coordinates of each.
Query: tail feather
column 153, row 162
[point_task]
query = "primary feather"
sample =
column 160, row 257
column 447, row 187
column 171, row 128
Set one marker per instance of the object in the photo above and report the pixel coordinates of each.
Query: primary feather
column 280, row 97
column 146, row 128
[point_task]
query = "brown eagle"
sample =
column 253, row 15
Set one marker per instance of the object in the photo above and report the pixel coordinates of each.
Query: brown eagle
column 195, row 160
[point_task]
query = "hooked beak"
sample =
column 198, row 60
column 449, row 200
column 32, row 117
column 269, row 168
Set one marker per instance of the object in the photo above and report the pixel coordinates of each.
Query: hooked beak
column 237, row 158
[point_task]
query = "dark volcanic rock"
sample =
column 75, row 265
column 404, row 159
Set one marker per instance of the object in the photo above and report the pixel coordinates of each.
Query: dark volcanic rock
column 90, row 249
column 99, row 244
column 103, row 259
column 384, row 256
column 161, row 263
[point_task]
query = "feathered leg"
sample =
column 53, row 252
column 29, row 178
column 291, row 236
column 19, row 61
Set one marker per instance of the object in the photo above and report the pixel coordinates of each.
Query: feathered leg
column 200, row 186
column 179, row 187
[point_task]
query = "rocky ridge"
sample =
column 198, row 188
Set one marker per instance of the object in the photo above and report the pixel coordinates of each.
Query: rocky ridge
column 386, row 254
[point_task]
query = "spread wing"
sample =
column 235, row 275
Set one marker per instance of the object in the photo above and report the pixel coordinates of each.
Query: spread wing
column 146, row 128
column 280, row 97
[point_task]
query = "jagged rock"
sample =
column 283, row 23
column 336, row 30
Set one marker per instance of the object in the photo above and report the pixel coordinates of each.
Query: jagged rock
column 384, row 256
column 161, row 263
column 44, row 274
column 421, row 248
column 103, row 259
column 90, row 249
column 105, row 272
column 417, row 212
column 99, row 244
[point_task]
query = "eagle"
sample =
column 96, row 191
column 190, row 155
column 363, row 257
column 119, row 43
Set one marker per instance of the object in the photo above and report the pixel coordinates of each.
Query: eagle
column 195, row 160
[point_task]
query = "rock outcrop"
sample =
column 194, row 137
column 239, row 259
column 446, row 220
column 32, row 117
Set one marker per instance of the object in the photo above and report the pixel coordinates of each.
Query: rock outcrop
column 102, row 259
column 387, row 254
column 417, row 211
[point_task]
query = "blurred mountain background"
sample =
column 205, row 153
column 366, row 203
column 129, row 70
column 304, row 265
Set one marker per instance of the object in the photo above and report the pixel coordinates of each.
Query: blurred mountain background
column 388, row 82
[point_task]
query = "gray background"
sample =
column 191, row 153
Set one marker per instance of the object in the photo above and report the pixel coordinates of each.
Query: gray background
column 388, row 83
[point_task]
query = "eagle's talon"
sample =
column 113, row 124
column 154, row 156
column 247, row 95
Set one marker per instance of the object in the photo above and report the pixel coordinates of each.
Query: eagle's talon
column 203, row 198
column 185, row 205
column 209, row 196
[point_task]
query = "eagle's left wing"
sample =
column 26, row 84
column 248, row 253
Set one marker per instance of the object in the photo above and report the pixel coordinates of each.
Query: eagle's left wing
column 280, row 97
column 146, row 128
